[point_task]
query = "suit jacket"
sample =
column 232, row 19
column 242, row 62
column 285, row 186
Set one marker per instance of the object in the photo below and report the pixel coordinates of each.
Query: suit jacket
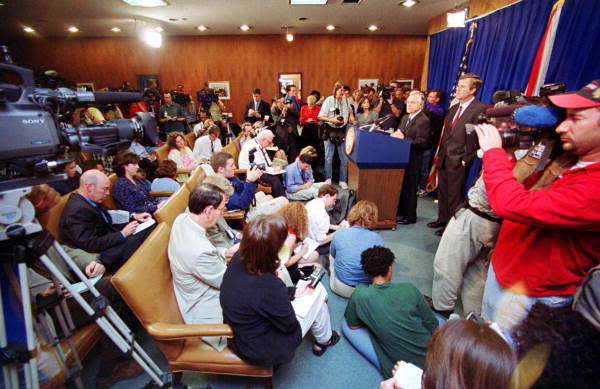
column 417, row 131
column 197, row 268
column 263, row 109
column 82, row 226
column 452, row 147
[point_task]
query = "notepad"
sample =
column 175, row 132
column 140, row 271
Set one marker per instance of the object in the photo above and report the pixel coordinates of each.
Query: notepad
column 408, row 376
column 144, row 225
column 312, row 246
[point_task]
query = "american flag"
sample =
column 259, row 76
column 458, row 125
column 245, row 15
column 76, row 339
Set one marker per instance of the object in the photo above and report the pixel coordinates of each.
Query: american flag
column 462, row 68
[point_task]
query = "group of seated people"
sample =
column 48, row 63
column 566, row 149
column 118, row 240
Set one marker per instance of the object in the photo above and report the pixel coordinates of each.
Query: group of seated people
column 256, row 280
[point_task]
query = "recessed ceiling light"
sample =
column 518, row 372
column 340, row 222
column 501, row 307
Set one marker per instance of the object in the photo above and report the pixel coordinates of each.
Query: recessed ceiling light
column 147, row 3
column 152, row 38
column 201, row 28
column 373, row 27
column 158, row 29
column 308, row 2
column 28, row 29
column 409, row 3
column 331, row 27
column 289, row 37
column 73, row 29
column 115, row 29
column 244, row 27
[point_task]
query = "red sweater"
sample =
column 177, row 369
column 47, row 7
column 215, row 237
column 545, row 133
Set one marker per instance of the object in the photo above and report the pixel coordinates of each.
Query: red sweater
column 307, row 113
column 550, row 238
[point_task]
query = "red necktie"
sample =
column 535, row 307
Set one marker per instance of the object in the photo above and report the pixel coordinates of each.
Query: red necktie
column 456, row 119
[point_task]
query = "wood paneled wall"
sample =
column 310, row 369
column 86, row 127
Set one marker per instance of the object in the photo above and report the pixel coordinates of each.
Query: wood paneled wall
column 245, row 61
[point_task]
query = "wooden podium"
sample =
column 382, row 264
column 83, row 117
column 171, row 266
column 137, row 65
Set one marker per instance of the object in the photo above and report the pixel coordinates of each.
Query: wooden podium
column 376, row 170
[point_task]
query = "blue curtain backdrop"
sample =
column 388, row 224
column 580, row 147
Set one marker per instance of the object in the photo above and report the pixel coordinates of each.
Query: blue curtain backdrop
column 576, row 56
column 503, row 52
column 445, row 51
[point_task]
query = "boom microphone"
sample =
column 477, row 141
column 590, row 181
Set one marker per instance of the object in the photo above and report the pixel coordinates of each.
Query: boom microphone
column 536, row 116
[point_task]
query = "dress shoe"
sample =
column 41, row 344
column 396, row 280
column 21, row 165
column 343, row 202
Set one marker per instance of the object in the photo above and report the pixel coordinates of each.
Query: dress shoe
column 121, row 372
column 406, row 221
column 436, row 224
column 440, row 232
column 343, row 185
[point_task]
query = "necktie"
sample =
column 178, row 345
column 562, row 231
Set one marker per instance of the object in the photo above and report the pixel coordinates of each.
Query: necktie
column 212, row 147
column 456, row 118
column 303, row 173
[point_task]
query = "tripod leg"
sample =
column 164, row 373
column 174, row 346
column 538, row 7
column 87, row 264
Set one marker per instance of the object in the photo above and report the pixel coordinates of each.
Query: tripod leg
column 30, row 368
column 9, row 372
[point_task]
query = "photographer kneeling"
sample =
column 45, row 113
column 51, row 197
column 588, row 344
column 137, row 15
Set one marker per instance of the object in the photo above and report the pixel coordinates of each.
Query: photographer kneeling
column 550, row 237
column 335, row 114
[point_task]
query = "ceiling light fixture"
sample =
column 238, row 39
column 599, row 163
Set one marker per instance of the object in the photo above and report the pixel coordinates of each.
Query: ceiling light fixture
column 331, row 27
column 289, row 37
column 201, row 28
column 244, row 27
column 308, row 2
column 373, row 27
column 73, row 29
column 456, row 18
column 158, row 29
column 152, row 38
column 147, row 3
column 409, row 3
column 115, row 29
column 28, row 29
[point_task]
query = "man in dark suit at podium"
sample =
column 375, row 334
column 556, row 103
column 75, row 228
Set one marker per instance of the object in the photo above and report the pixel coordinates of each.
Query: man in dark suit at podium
column 453, row 163
column 257, row 109
column 414, row 127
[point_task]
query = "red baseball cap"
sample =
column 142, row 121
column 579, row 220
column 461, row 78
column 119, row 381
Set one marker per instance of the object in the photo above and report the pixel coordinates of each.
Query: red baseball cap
column 586, row 97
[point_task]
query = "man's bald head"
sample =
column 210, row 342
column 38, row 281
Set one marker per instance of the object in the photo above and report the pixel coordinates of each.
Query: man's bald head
column 94, row 185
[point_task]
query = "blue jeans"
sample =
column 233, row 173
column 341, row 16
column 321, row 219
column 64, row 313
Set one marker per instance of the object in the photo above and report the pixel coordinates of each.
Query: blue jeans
column 361, row 340
column 329, row 151
column 509, row 309
column 426, row 167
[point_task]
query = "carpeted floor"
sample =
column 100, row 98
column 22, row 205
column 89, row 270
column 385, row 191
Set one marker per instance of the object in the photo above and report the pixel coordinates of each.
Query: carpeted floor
column 341, row 366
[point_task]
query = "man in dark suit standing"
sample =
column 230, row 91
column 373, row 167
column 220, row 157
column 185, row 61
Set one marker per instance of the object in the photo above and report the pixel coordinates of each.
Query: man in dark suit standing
column 85, row 224
column 453, row 163
column 257, row 109
column 414, row 127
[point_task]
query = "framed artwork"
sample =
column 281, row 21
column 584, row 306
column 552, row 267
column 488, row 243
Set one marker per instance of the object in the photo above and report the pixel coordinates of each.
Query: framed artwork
column 85, row 86
column 146, row 81
column 286, row 79
column 405, row 83
column 221, row 89
column 370, row 82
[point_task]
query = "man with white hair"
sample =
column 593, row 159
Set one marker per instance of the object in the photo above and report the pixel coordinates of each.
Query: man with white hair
column 86, row 224
column 255, row 150
column 414, row 127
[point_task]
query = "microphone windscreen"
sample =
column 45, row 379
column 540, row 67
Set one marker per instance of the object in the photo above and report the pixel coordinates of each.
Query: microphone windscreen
column 536, row 116
column 117, row 97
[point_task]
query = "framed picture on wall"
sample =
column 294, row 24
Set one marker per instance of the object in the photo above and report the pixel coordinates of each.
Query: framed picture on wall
column 85, row 86
column 146, row 81
column 286, row 79
column 370, row 82
column 405, row 83
column 221, row 89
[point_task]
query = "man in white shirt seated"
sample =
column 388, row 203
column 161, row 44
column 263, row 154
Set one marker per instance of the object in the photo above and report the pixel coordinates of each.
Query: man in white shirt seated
column 208, row 144
column 318, row 219
column 254, row 151
column 196, row 264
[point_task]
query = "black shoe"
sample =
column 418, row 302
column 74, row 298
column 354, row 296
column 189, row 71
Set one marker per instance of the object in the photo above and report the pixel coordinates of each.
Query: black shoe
column 436, row 224
column 406, row 221
column 440, row 232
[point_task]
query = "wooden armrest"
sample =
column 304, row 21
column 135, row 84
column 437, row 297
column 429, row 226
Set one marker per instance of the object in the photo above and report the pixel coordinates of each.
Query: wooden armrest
column 162, row 193
column 237, row 215
column 239, row 171
column 168, row 331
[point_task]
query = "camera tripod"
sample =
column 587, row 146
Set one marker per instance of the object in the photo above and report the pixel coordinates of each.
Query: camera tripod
column 22, row 251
